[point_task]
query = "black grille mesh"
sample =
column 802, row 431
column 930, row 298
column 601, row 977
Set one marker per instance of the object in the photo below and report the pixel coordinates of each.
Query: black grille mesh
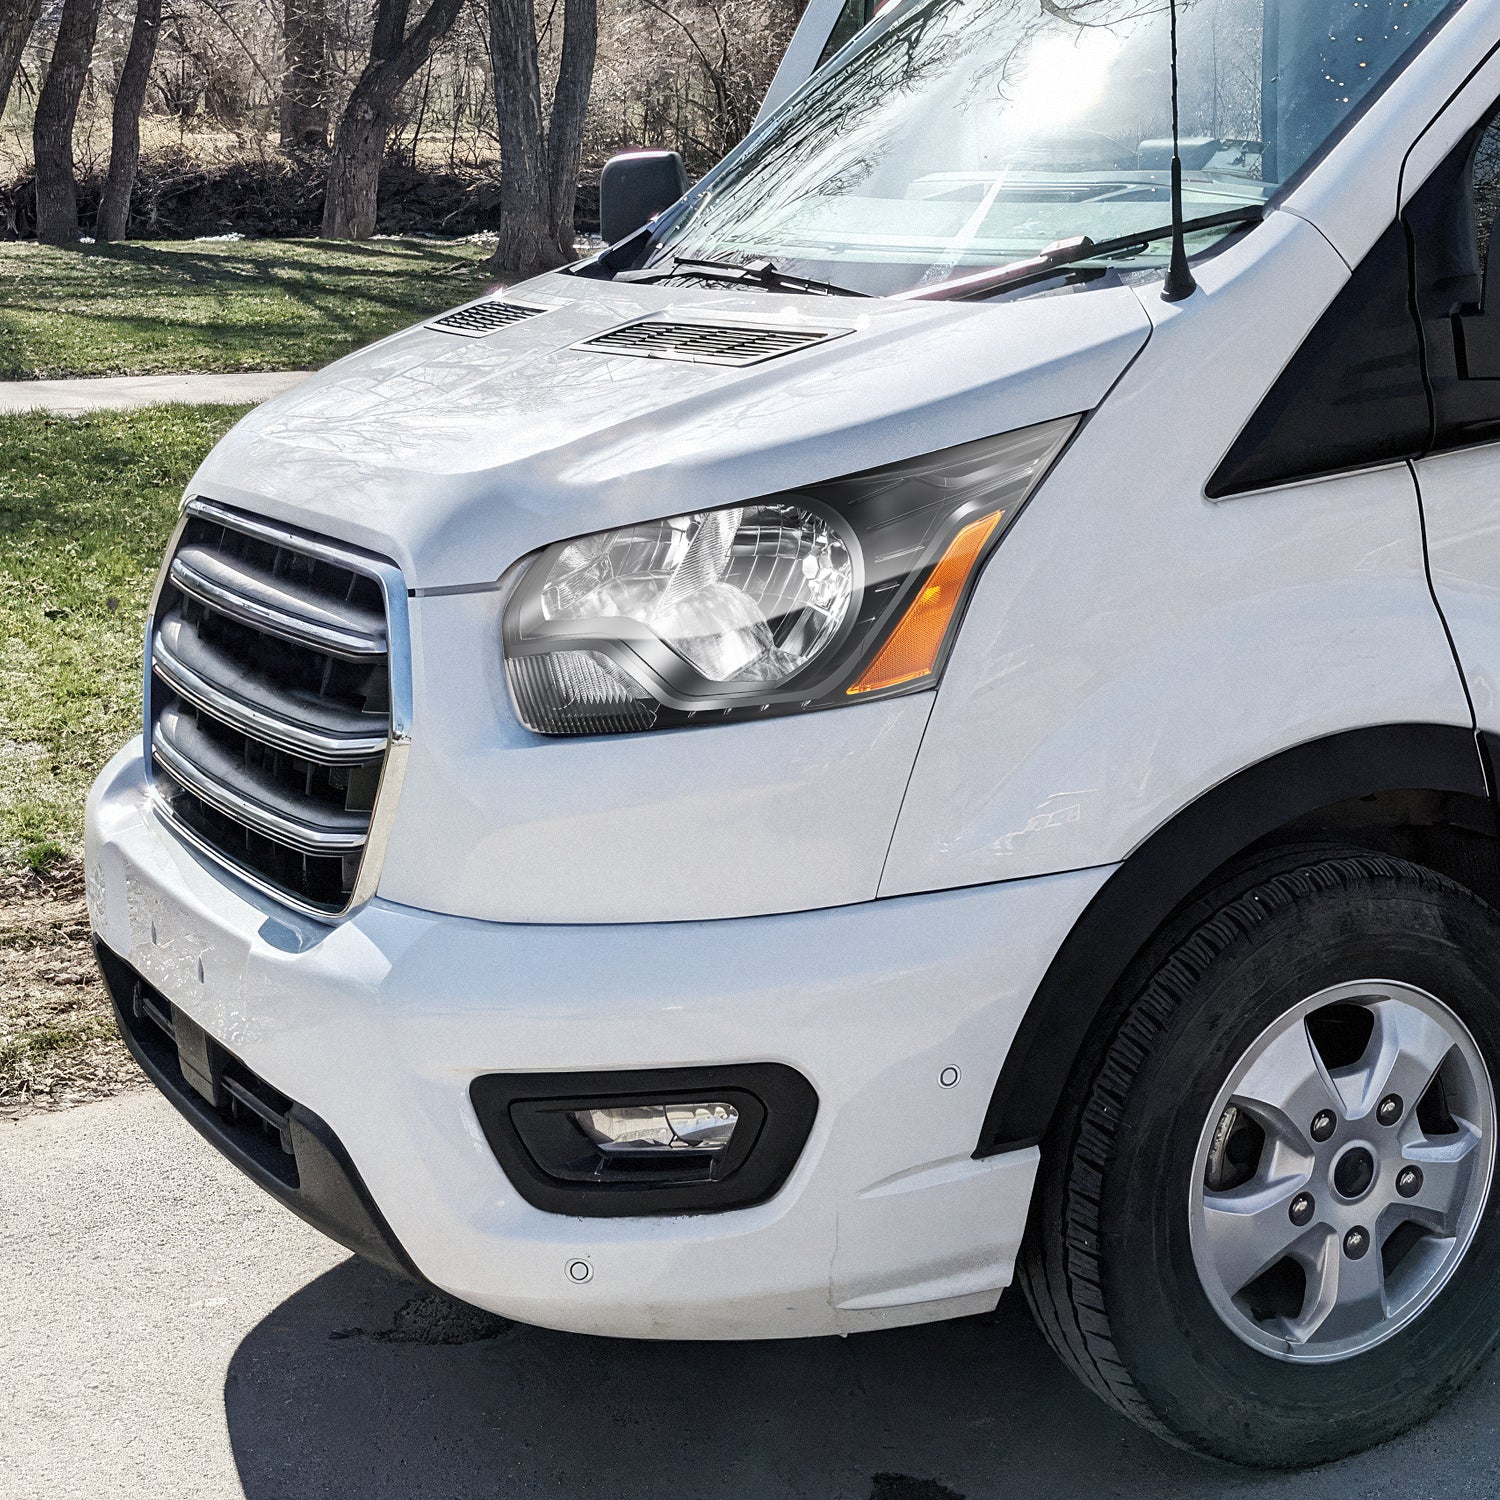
column 706, row 343
column 485, row 317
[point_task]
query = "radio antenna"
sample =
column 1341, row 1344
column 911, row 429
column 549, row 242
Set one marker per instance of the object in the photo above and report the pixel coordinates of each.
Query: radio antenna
column 1180, row 283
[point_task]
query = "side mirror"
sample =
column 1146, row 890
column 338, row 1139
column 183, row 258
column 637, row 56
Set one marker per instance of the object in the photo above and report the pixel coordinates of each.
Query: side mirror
column 636, row 186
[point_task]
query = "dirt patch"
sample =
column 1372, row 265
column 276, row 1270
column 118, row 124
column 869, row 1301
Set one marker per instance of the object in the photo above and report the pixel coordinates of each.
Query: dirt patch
column 433, row 1318
column 58, row 1044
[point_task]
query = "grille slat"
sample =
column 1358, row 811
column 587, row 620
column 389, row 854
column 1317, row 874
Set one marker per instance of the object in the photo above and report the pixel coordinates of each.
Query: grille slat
column 248, row 795
column 271, row 723
column 480, row 318
column 706, row 343
column 270, row 603
column 194, row 670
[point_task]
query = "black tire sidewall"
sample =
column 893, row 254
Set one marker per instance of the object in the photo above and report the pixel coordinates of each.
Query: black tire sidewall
column 1204, row 1383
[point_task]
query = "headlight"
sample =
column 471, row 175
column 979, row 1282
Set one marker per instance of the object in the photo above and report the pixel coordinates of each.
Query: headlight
column 847, row 590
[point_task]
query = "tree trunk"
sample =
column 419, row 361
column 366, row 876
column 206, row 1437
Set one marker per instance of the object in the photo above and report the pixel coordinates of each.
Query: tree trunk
column 52, row 130
column 570, row 107
column 539, row 162
column 125, row 137
column 527, row 245
column 304, row 84
column 17, row 21
column 359, row 142
column 354, row 173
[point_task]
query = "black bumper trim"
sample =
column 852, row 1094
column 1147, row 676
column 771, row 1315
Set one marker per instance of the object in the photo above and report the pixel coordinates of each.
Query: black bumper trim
column 318, row 1182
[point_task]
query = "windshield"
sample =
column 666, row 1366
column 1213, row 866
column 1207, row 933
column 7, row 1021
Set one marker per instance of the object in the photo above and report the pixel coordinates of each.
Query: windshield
column 955, row 135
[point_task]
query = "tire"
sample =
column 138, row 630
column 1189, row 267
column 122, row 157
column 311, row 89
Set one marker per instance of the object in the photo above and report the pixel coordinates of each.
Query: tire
column 1142, row 1311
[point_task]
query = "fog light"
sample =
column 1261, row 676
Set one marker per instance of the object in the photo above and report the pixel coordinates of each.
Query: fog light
column 651, row 1128
column 648, row 1141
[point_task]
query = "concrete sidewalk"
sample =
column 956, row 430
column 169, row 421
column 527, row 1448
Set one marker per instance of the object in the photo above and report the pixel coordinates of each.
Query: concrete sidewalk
column 121, row 392
column 167, row 1329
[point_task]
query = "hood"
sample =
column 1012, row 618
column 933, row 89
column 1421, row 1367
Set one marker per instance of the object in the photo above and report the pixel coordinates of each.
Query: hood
column 454, row 456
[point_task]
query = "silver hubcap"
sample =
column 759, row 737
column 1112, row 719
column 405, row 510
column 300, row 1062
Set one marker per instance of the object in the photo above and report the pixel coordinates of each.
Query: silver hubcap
column 1342, row 1171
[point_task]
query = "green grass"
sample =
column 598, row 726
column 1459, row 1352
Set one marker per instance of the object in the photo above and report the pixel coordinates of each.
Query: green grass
column 159, row 308
column 86, row 507
column 38, row 1045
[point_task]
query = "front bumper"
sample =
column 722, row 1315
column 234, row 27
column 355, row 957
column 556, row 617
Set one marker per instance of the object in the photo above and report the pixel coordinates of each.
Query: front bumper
column 281, row 1146
column 378, row 1026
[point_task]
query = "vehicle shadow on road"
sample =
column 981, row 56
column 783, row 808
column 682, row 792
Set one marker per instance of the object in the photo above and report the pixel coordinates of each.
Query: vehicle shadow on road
column 358, row 1387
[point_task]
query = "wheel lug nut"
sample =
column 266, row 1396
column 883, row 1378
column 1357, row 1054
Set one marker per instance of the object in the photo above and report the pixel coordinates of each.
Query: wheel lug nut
column 1409, row 1181
column 1356, row 1242
column 1300, row 1210
column 1323, row 1125
column 1390, row 1109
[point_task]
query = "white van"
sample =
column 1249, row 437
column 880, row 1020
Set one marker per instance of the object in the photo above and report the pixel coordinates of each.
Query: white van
column 879, row 737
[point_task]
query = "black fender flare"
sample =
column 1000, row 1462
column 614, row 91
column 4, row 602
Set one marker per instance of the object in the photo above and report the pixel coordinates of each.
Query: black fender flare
column 1162, row 873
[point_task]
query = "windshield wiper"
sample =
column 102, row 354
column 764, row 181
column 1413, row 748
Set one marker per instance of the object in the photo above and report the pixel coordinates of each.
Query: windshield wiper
column 762, row 273
column 1066, row 253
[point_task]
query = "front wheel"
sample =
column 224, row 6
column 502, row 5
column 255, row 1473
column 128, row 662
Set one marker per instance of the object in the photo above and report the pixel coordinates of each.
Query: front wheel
column 1265, row 1225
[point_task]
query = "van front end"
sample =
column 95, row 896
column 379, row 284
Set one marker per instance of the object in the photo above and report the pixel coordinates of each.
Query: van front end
column 928, row 715
column 603, row 1028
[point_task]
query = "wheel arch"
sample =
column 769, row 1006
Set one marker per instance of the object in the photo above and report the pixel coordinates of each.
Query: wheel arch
column 1418, row 790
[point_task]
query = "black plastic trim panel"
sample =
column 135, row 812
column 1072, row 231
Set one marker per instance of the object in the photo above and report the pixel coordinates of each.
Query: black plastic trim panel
column 316, row 1180
column 1351, row 396
column 524, row 1118
column 1404, row 362
column 1154, row 882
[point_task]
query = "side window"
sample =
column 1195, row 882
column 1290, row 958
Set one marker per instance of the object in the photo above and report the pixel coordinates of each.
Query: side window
column 826, row 26
column 1456, row 280
column 1486, row 188
column 854, row 17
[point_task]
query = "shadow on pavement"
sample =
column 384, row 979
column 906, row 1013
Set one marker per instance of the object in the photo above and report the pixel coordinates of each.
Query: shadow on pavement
column 357, row 1387
column 360, row 1387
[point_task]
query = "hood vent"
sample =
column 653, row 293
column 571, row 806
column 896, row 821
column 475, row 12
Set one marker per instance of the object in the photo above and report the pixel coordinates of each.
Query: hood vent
column 707, row 343
column 480, row 318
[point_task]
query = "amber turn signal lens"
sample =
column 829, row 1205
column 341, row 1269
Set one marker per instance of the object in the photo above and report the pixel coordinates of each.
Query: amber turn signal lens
column 913, row 648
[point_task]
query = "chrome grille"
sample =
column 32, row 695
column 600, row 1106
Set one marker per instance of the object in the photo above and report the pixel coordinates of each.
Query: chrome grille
column 706, row 343
column 278, row 703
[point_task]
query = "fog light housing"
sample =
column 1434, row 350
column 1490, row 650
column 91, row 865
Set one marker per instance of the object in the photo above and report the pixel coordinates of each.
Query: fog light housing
column 667, row 1141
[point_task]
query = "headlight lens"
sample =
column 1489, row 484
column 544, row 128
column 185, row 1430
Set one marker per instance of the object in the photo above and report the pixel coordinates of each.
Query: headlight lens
column 747, row 595
column 845, row 591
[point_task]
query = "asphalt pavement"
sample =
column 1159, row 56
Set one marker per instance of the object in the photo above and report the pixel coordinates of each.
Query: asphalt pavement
column 167, row 1331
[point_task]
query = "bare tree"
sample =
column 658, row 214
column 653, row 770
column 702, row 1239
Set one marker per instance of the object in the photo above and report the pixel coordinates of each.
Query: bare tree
column 682, row 74
column 17, row 20
column 304, row 85
column 52, row 130
column 539, row 159
column 526, row 243
column 570, row 109
column 359, row 142
column 125, row 135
